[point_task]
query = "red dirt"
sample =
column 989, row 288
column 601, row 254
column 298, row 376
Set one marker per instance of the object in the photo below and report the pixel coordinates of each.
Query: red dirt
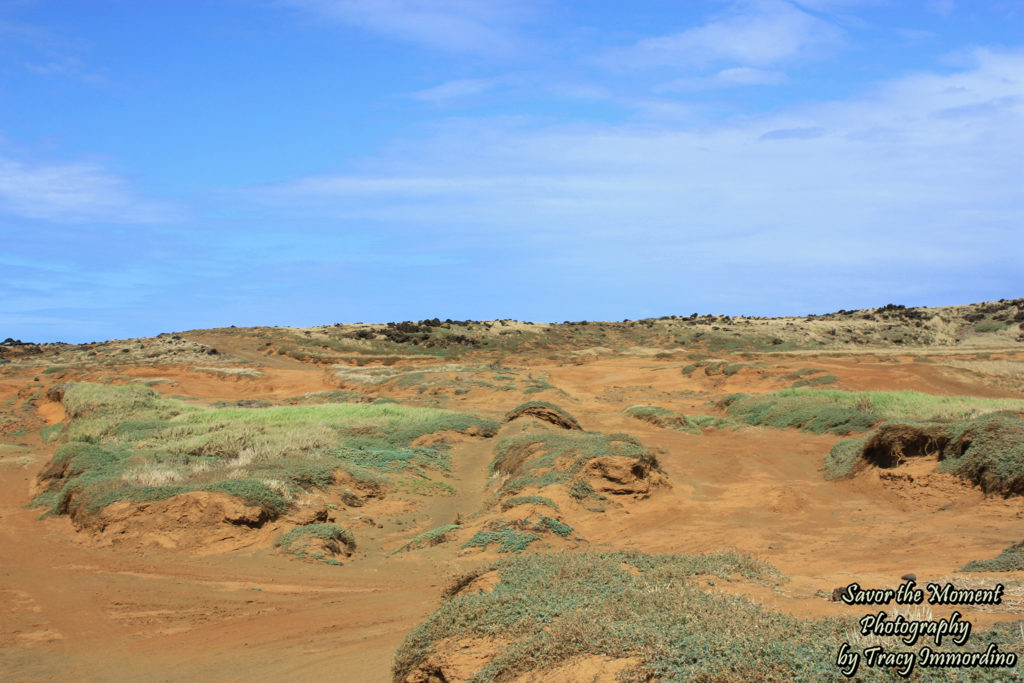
column 187, row 595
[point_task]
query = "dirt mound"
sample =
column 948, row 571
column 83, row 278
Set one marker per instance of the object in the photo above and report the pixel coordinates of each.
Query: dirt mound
column 454, row 661
column 206, row 522
column 547, row 412
column 623, row 475
column 481, row 580
column 892, row 444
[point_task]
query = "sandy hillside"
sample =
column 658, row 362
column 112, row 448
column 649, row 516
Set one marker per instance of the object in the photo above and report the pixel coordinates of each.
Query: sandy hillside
column 635, row 436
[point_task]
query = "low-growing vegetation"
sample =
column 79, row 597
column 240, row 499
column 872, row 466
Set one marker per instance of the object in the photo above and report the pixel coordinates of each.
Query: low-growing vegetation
column 129, row 443
column 430, row 538
column 547, row 412
column 1010, row 560
column 843, row 412
column 515, row 536
column 318, row 542
column 547, row 610
column 661, row 417
column 987, row 450
column 539, row 460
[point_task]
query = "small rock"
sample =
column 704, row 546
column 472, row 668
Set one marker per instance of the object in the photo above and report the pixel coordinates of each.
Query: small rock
column 909, row 577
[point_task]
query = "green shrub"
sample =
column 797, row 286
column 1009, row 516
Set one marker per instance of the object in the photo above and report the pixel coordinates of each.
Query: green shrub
column 992, row 326
column 988, row 451
column 552, row 608
column 842, row 460
column 531, row 459
column 542, row 410
column 129, row 443
column 253, row 491
column 529, row 500
column 1010, row 560
column 816, row 381
column 547, row 610
column 332, row 537
column 661, row 417
column 429, row 538
column 508, row 539
column 809, row 412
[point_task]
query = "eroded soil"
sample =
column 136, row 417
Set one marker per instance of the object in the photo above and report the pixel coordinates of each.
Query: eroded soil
column 145, row 600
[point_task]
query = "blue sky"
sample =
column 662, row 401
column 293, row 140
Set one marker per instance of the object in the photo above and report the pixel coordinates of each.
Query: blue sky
column 174, row 165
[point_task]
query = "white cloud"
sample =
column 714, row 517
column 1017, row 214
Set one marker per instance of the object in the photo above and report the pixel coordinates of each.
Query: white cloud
column 471, row 26
column 745, row 75
column 922, row 173
column 463, row 87
column 758, row 34
column 73, row 192
column 726, row 78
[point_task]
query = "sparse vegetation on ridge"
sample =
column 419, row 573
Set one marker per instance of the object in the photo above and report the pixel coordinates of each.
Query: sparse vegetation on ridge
column 987, row 451
column 549, row 609
column 1010, row 560
column 128, row 443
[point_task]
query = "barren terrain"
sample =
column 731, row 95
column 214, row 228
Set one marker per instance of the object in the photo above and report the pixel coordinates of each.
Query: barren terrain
column 195, row 582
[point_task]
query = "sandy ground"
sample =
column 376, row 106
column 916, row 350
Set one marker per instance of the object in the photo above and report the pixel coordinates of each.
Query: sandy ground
column 75, row 609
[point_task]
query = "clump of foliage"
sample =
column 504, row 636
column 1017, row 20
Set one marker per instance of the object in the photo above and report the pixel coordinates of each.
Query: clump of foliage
column 662, row 417
column 514, row 537
column 842, row 412
column 430, row 538
column 816, row 381
column 988, row 451
column 553, row 608
column 844, row 457
column 528, row 500
column 1010, row 560
column 539, row 460
column 329, row 537
column 807, row 411
column 584, row 493
column 508, row 538
column 130, row 443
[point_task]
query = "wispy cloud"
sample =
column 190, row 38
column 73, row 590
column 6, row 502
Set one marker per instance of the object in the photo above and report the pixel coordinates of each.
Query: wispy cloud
column 457, row 89
column 48, row 55
column 887, row 178
column 73, row 193
column 759, row 34
column 726, row 78
column 459, row 26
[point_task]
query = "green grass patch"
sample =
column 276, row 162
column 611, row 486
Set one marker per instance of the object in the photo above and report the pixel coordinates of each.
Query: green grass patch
column 661, row 417
column 429, row 538
column 988, row 451
column 129, row 443
column 548, row 610
column 844, row 457
column 317, row 541
column 1010, row 560
column 553, row 608
column 51, row 432
column 992, row 326
column 540, row 460
column 515, row 501
column 843, row 412
column 425, row 487
column 815, row 381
